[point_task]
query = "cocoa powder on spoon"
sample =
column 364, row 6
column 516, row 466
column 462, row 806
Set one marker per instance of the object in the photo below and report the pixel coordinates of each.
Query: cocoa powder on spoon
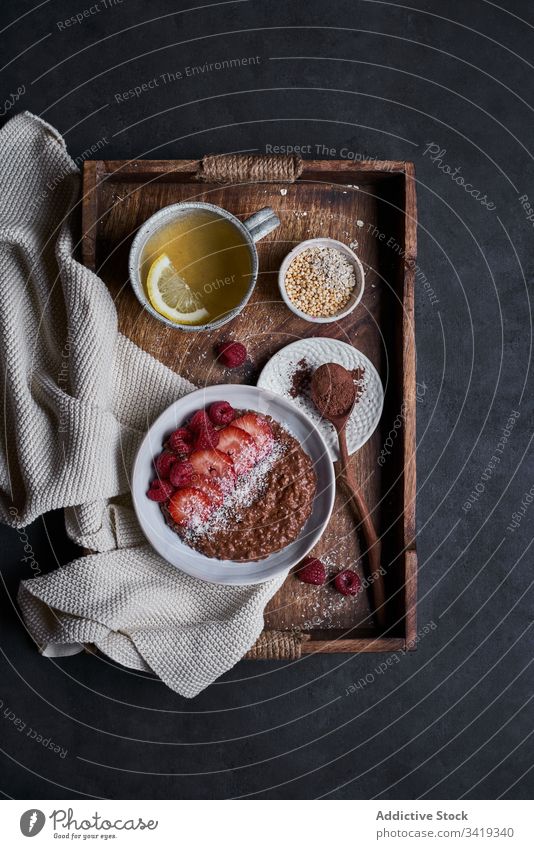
column 333, row 390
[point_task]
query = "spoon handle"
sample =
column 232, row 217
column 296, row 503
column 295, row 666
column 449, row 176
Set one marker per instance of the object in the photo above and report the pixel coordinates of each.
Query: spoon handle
column 371, row 539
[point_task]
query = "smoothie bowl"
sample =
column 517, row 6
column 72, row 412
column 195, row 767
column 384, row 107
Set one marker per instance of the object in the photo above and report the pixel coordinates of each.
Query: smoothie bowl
column 233, row 484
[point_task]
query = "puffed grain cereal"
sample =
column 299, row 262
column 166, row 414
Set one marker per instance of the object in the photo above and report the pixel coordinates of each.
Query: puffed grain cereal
column 319, row 281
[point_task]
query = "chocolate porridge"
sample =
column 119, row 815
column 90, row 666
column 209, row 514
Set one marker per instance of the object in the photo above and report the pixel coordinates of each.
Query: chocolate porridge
column 267, row 510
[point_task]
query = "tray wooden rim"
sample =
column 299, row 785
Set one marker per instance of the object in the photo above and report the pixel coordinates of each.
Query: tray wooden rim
column 144, row 170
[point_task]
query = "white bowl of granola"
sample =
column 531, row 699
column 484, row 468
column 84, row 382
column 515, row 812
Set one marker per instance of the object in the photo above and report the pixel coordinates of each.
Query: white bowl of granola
column 321, row 280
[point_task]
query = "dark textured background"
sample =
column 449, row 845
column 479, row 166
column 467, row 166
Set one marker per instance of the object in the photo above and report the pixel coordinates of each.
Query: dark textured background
column 454, row 718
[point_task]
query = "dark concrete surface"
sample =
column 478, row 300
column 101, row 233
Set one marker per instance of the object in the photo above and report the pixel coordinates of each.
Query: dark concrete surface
column 453, row 719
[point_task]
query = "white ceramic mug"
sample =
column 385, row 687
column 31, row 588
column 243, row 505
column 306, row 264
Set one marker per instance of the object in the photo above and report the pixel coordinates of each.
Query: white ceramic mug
column 252, row 230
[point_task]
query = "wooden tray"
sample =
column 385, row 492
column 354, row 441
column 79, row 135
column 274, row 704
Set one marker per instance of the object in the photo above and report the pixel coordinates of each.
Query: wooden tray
column 371, row 203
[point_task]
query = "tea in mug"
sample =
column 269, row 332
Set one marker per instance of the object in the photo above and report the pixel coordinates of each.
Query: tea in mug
column 197, row 268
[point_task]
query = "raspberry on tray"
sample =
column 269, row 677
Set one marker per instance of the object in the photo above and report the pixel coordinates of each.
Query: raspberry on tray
column 232, row 354
column 312, row 571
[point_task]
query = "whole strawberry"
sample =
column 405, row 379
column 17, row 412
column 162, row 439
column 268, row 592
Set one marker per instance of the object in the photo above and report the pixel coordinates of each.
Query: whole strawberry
column 231, row 354
column 312, row 571
column 347, row 582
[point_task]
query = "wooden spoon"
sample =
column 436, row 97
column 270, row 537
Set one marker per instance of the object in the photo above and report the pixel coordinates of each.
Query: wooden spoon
column 333, row 392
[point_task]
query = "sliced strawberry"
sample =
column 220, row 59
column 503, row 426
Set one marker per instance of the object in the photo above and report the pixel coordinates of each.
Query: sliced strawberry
column 189, row 506
column 240, row 446
column 163, row 464
column 210, row 486
column 215, row 464
column 260, row 431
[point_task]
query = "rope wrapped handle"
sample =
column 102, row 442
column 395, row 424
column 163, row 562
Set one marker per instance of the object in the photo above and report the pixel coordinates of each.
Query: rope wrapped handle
column 246, row 168
column 277, row 645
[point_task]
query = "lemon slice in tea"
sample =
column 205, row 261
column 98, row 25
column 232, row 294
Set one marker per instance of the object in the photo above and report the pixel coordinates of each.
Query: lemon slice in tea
column 170, row 295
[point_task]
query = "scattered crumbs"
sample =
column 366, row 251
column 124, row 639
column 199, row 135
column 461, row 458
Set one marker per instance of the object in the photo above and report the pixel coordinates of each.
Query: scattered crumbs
column 358, row 376
column 301, row 379
column 283, row 192
column 353, row 245
column 359, row 222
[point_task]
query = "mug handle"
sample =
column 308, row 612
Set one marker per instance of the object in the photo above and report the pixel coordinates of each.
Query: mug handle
column 262, row 223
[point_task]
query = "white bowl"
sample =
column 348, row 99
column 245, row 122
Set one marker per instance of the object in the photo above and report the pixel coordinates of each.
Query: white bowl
column 356, row 294
column 170, row 546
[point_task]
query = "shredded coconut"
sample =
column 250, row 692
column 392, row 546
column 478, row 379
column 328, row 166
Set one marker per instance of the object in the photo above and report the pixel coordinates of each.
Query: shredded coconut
column 249, row 488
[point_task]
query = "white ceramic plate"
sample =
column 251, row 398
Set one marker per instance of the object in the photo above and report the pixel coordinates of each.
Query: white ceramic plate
column 277, row 376
column 170, row 546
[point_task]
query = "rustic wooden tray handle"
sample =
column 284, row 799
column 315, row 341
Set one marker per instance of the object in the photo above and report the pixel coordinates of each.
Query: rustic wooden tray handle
column 368, row 529
column 277, row 645
column 246, row 168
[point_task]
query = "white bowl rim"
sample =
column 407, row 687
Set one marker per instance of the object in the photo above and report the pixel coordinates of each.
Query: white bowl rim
column 321, row 241
column 239, row 578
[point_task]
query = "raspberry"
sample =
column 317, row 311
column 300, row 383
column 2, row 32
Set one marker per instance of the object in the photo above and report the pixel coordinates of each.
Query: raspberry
column 163, row 464
column 181, row 441
column 181, row 474
column 207, row 437
column 232, row 354
column 199, row 420
column 221, row 413
column 348, row 582
column 182, row 448
column 312, row 571
column 160, row 490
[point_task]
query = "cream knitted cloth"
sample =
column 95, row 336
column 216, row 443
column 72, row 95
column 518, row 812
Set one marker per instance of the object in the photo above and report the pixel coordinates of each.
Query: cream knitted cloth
column 77, row 399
